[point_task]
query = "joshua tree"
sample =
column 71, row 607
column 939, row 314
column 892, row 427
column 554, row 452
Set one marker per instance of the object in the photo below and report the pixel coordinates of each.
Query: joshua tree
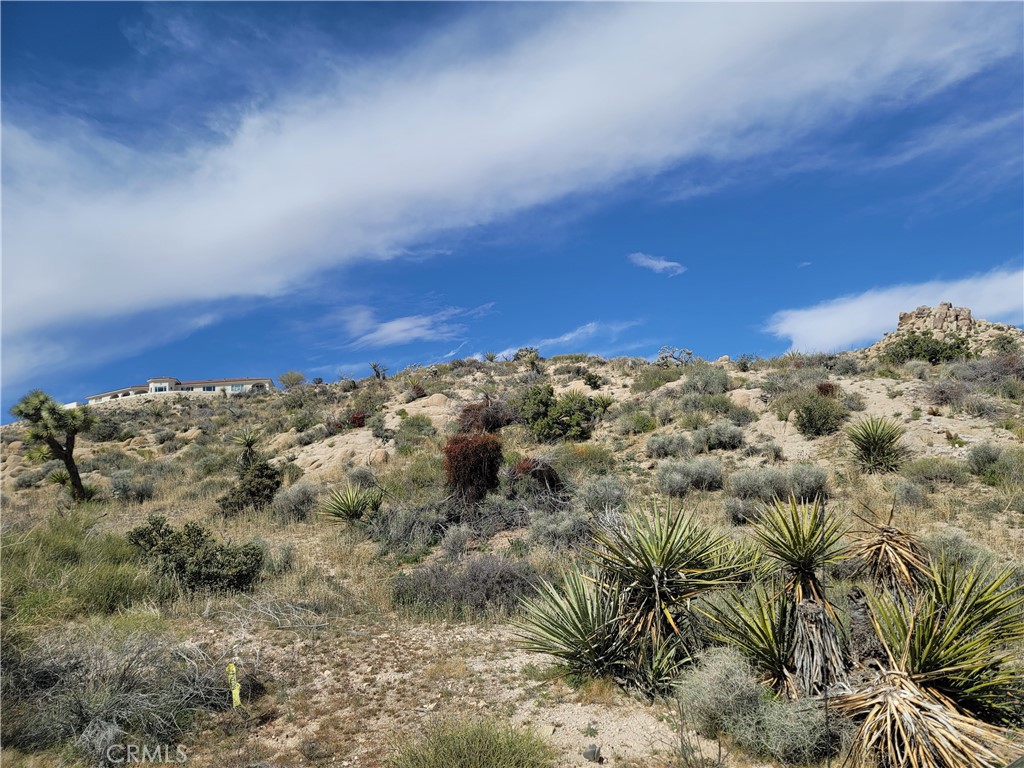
column 56, row 427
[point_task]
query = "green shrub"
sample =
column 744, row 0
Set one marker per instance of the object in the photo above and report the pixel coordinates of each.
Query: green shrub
column 1007, row 470
column 794, row 733
column 412, row 432
column 256, row 486
column 981, row 457
column 195, row 558
column 706, row 379
column 476, row 744
column 585, row 459
column 740, row 415
column 924, row 346
column 654, row 376
column 679, row 478
column 929, row 470
column 636, row 422
column 815, row 414
column 471, row 464
column 472, row 587
column 663, row 446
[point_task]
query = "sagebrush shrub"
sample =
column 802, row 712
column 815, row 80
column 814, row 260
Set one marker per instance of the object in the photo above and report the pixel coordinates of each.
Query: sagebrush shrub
column 412, row 432
column 719, row 693
column 664, row 446
column 295, row 503
column 929, row 470
column 636, row 423
column 604, row 493
column 806, row 482
column 471, row 465
column 760, row 483
column 126, row 486
column 679, row 478
column 706, row 379
column 471, row 587
column 814, row 414
column 561, row 527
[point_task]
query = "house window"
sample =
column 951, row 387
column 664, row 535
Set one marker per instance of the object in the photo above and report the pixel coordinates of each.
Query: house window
column 186, row 389
column 209, row 389
column 159, row 389
column 236, row 387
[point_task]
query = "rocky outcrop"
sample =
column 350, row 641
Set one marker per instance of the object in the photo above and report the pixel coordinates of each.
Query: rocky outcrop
column 946, row 322
column 942, row 320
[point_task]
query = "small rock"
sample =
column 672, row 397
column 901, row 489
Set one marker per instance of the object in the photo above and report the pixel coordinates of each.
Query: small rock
column 593, row 754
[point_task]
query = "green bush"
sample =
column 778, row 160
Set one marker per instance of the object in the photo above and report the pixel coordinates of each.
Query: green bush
column 930, row 470
column 196, row 559
column 295, row 503
column 408, row 529
column 720, row 694
column 569, row 417
column 126, row 486
column 474, row 744
column 256, row 486
column 65, row 568
column 412, row 432
column 653, row 376
column 806, row 482
column 1007, row 470
column 706, row 379
column 981, row 457
column 924, row 346
column 679, row 478
column 636, row 422
column 815, row 414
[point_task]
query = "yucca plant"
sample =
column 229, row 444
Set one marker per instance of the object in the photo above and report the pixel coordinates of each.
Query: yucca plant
column 249, row 439
column 952, row 638
column 903, row 725
column 892, row 557
column 762, row 629
column 658, row 563
column 578, row 624
column 803, row 539
column 876, row 444
column 350, row 503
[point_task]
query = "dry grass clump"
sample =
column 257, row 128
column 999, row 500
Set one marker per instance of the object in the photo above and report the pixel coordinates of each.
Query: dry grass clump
column 476, row 743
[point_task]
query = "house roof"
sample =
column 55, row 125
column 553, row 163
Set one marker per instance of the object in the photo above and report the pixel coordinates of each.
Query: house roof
column 194, row 383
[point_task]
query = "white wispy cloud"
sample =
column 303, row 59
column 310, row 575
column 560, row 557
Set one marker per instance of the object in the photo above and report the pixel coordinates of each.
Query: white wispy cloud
column 865, row 317
column 333, row 170
column 366, row 330
column 588, row 332
column 656, row 264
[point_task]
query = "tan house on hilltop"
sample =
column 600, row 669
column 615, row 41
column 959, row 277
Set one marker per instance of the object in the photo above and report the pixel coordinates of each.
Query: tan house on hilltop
column 171, row 384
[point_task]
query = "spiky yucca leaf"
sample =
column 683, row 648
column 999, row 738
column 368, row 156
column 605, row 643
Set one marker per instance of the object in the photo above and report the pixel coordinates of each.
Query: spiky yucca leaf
column 903, row 725
column 952, row 639
column 350, row 503
column 803, row 539
column 762, row 629
column 876, row 444
column 658, row 563
column 578, row 624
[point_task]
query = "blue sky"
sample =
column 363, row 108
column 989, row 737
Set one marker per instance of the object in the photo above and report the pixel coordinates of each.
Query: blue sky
column 206, row 190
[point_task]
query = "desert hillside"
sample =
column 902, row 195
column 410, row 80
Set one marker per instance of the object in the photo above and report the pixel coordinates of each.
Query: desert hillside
column 392, row 560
